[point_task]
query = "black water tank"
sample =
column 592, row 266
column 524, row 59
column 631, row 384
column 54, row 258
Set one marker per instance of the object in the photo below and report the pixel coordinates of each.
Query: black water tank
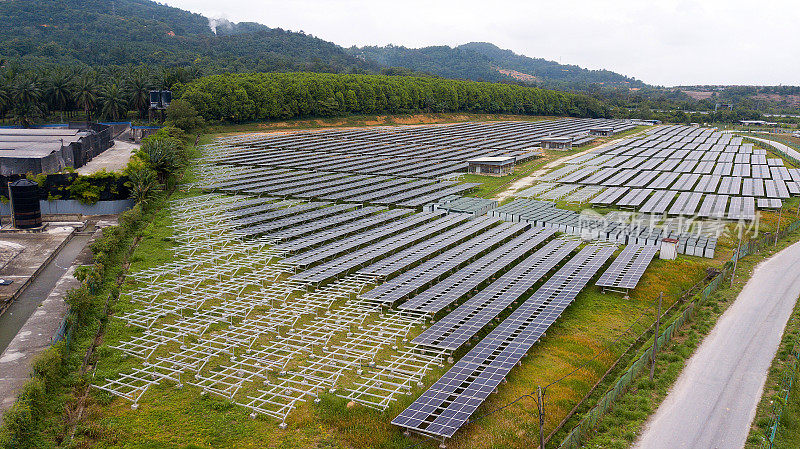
column 25, row 209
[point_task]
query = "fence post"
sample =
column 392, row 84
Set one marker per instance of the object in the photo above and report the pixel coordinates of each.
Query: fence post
column 778, row 230
column 655, row 338
column 540, row 404
column 736, row 257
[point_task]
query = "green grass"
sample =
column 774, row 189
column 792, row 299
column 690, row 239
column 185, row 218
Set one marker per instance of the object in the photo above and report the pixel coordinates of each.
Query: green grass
column 788, row 436
column 789, row 429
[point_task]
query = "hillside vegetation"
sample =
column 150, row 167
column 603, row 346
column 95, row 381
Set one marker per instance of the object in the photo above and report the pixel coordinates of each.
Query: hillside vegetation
column 101, row 33
column 482, row 61
column 98, row 32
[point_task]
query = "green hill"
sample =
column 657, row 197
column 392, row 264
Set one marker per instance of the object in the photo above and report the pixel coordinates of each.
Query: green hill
column 545, row 70
column 481, row 61
column 103, row 32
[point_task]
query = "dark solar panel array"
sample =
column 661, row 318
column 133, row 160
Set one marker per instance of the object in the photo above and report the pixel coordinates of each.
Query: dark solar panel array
column 456, row 286
column 399, row 261
column 440, row 266
column 448, row 403
column 276, row 214
column 628, row 267
column 680, row 159
column 469, row 318
column 321, row 224
column 369, row 254
column 294, row 220
column 341, row 246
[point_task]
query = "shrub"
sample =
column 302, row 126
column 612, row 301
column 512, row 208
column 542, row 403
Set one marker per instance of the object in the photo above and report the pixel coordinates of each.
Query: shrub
column 183, row 115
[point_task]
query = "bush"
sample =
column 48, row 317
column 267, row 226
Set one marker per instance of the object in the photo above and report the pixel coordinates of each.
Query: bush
column 88, row 189
column 164, row 152
column 181, row 114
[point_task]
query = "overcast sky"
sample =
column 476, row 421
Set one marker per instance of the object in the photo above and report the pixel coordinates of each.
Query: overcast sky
column 665, row 42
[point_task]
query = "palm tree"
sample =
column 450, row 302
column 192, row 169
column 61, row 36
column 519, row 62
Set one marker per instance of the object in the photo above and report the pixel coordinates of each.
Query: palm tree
column 59, row 92
column 86, row 95
column 26, row 99
column 26, row 114
column 114, row 105
column 138, row 90
column 5, row 100
column 26, row 90
column 143, row 182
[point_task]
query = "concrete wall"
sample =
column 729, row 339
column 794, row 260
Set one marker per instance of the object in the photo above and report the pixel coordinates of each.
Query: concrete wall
column 75, row 207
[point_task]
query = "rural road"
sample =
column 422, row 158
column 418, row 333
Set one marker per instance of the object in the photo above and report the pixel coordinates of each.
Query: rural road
column 785, row 148
column 714, row 400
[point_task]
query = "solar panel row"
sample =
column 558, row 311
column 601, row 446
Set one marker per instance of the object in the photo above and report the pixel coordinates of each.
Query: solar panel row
column 449, row 402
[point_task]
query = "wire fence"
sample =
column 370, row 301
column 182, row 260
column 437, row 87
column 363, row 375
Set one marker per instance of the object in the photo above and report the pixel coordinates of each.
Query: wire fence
column 774, row 148
column 578, row 434
column 784, row 390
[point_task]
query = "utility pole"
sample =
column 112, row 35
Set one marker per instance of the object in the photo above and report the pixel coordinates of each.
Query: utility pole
column 736, row 258
column 778, row 230
column 655, row 338
column 540, row 403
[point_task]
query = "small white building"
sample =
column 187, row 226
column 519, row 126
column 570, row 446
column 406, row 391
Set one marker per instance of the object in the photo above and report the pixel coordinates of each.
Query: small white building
column 492, row 165
column 669, row 249
column 601, row 131
column 556, row 143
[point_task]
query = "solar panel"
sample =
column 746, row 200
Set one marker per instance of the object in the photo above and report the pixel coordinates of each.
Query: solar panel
column 610, row 195
column 634, row 198
column 369, row 254
column 449, row 402
column 769, row 203
column 473, row 275
column 468, row 319
column 399, row 261
column 352, row 243
column 421, row 276
column 294, row 220
column 338, row 232
column 686, row 204
column 658, row 202
column 628, row 267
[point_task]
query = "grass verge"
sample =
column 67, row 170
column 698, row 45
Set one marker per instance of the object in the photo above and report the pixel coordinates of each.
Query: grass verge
column 620, row 426
column 788, row 435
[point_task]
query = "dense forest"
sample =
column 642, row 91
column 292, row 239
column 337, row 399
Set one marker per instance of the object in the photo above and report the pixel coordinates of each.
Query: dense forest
column 267, row 96
column 482, row 61
column 97, row 59
column 101, row 32
column 119, row 32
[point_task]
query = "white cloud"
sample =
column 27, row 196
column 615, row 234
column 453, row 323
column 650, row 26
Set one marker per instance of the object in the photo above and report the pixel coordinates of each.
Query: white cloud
column 669, row 42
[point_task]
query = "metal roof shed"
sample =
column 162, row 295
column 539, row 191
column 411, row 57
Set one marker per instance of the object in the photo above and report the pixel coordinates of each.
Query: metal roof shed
column 492, row 165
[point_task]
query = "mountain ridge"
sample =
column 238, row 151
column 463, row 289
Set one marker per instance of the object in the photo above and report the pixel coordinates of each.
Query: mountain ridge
column 121, row 32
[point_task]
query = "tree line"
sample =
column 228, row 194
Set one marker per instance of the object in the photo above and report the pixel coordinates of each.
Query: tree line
column 270, row 96
column 104, row 93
